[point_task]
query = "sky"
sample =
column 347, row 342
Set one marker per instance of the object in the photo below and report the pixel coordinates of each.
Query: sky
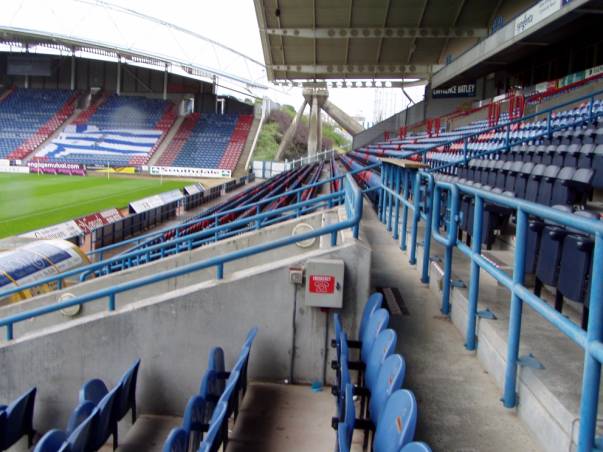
column 215, row 20
column 232, row 23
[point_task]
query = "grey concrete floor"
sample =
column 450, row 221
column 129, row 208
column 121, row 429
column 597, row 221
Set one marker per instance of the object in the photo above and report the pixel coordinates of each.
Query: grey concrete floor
column 458, row 402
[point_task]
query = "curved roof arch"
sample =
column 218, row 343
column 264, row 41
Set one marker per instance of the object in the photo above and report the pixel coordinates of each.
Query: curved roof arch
column 96, row 26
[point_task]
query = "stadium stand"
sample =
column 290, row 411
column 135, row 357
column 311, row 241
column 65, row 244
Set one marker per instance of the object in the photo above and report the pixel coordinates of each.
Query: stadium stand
column 29, row 116
column 96, row 416
column 208, row 141
column 119, row 131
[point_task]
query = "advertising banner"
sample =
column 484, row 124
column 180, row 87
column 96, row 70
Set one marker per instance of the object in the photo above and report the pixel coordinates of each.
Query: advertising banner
column 14, row 169
column 65, row 230
column 536, row 14
column 467, row 90
column 188, row 172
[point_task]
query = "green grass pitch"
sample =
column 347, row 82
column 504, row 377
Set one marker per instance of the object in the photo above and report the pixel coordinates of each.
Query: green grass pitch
column 30, row 201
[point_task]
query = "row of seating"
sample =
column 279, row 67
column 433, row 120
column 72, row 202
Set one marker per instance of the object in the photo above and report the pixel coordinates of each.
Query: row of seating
column 559, row 257
column 539, row 183
column 208, row 412
column 386, row 410
column 95, row 418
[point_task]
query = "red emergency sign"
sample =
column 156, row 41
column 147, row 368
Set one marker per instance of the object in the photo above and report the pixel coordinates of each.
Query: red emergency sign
column 322, row 284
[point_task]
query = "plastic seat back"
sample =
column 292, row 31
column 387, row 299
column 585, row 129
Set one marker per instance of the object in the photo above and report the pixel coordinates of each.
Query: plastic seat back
column 79, row 415
column 213, row 439
column 93, row 391
column 18, row 420
column 416, row 447
column 390, row 379
column 79, row 440
column 377, row 323
column 193, row 419
column 397, row 423
column 374, row 302
column 127, row 398
column 384, row 345
column 52, row 441
column 105, row 424
column 176, row 441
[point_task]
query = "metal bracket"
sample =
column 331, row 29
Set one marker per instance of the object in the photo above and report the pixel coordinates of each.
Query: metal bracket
column 530, row 360
column 437, row 259
column 458, row 283
column 486, row 314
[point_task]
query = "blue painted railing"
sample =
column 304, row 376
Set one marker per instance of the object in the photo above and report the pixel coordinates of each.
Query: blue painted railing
column 506, row 127
column 352, row 197
column 427, row 205
column 191, row 241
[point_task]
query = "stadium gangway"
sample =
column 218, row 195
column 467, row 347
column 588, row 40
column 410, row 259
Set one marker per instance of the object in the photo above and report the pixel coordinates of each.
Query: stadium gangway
column 353, row 200
column 99, row 252
column 208, row 235
column 506, row 128
column 591, row 340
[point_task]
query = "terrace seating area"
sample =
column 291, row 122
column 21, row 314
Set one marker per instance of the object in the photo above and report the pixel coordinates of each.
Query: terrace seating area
column 119, row 131
column 205, row 423
column 95, row 419
column 387, row 413
column 30, row 116
column 208, row 141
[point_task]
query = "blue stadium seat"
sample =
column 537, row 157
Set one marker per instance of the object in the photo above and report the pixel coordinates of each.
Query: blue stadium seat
column 176, row 441
column 52, row 441
column 390, row 379
column 416, row 447
column 17, row 420
column 397, row 423
column 215, row 433
column 194, row 419
column 377, row 323
column 79, row 439
column 384, row 346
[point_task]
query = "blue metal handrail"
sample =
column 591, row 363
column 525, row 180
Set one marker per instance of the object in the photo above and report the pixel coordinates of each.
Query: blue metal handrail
column 352, row 195
column 591, row 340
column 158, row 233
column 189, row 242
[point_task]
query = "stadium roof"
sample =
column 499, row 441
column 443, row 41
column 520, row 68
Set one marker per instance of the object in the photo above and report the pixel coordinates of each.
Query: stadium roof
column 366, row 39
column 101, row 29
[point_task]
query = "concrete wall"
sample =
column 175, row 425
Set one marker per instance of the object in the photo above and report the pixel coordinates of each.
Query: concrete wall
column 223, row 247
column 172, row 333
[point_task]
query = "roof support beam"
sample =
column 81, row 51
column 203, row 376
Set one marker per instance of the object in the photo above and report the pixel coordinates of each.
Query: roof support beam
column 381, row 32
column 407, row 70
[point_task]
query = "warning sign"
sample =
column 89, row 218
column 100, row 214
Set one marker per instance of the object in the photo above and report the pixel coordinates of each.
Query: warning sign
column 322, row 284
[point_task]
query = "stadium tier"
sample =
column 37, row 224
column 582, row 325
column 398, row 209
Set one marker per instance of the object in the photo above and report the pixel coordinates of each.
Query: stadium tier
column 208, row 141
column 30, row 116
column 119, row 131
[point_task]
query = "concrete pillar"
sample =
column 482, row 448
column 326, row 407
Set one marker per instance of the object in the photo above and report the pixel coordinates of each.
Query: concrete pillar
column 348, row 123
column 290, row 133
column 319, row 141
column 313, row 132
column 72, row 80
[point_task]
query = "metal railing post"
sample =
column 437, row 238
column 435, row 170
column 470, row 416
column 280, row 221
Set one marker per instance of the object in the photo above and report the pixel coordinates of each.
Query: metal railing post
column 591, row 376
column 510, row 394
column 476, row 247
column 384, row 171
column 403, row 231
column 415, row 219
column 390, row 198
column 397, row 205
column 427, row 231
